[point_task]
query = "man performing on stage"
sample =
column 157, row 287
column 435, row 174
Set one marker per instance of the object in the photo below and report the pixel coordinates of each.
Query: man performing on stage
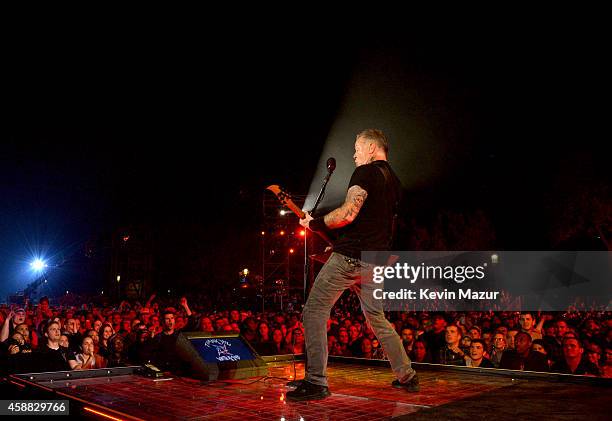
column 367, row 216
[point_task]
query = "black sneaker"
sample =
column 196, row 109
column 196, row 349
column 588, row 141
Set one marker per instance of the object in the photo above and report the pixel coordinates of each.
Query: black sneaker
column 411, row 385
column 307, row 391
column 294, row 383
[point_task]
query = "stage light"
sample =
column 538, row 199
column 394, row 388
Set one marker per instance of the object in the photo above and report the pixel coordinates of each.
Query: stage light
column 283, row 212
column 302, row 233
column 245, row 271
column 38, row 265
column 282, row 233
column 291, row 251
column 263, row 233
column 118, row 278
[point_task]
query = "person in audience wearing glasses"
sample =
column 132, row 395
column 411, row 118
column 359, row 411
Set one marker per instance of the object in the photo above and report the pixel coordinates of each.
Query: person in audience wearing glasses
column 298, row 345
column 497, row 348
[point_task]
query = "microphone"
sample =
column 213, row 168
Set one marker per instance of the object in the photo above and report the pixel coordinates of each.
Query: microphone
column 331, row 165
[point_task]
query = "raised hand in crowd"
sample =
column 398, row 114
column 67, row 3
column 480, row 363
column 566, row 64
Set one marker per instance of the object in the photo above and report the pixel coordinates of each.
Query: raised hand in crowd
column 4, row 332
column 185, row 305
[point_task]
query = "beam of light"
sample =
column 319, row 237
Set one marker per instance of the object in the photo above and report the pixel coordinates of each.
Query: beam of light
column 38, row 265
column 410, row 106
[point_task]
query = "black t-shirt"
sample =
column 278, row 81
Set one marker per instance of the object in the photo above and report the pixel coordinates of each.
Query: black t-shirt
column 434, row 342
column 585, row 367
column 74, row 342
column 371, row 229
column 355, row 348
column 450, row 357
column 48, row 359
column 486, row 363
column 512, row 360
column 163, row 351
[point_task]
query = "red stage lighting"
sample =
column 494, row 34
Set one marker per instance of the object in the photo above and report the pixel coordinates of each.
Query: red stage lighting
column 302, row 233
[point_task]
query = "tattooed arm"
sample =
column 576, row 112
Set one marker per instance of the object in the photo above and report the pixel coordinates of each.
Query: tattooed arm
column 340, row 217
column 345, row 214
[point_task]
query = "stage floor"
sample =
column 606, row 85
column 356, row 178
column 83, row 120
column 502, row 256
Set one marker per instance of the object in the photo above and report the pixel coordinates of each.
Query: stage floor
column 359, row 392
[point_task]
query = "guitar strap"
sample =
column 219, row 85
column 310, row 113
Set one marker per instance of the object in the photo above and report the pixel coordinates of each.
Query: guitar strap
column 394, row 205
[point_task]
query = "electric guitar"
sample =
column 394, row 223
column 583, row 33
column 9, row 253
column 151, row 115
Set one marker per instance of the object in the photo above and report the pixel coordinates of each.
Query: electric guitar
column 285, row 198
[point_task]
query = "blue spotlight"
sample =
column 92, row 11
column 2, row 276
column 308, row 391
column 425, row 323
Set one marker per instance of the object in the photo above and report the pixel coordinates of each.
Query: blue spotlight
column 38, row 265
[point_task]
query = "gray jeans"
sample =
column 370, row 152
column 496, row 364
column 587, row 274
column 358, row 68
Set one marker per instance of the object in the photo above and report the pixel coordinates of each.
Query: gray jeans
column 339, row 273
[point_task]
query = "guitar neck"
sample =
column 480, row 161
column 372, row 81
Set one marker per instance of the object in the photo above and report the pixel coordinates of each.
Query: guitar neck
column 285, row 199
column 295, row 209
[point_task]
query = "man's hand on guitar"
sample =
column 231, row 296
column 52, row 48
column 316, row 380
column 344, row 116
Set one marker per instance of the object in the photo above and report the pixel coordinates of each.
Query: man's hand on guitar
column 305, row 222
column 285, row 198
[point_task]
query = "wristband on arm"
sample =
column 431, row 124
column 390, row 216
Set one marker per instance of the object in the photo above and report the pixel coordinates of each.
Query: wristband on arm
column 317, row 224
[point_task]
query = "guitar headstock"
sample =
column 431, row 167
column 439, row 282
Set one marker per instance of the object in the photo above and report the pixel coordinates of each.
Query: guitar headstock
column 285, row 198
column 282, row 194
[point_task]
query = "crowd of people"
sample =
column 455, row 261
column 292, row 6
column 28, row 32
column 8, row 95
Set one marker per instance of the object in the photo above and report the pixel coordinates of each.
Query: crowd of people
column 38, row 338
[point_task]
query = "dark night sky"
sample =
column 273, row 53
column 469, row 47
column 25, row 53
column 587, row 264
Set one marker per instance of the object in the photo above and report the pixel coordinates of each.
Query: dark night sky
column 171, row 133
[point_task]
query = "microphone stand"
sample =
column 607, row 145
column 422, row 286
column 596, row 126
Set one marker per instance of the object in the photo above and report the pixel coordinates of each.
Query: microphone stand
column 330, row 170
column 322, row 192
